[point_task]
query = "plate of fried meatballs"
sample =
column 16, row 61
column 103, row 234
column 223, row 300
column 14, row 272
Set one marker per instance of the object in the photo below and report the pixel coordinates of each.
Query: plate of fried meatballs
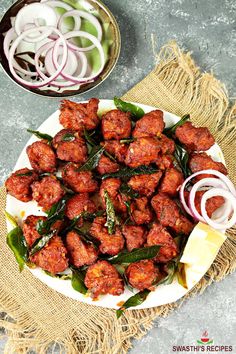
column 95, row 193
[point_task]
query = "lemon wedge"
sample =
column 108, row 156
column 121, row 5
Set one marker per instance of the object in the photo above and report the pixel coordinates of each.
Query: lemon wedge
column 200, row 251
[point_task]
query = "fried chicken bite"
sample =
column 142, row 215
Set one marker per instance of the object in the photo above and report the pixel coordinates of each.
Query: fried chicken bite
column 102, row 278
column 110, row 244
column 135, row 236
column 41, row 156
column 19, row 184
column 195, row 139
column 116, row 149
column 78, row 204
column 80, row 182
column 165, row 161
column 116, row 125
column 79, row 116
column 140, row 211
column 171, row 182
column 168, row 214
column 143, row 151
column 212, row 204
column 167, row 145
column 145, row 184
column 80, row 253
column 143, row 274
column 106, row 165
column 202, row 161
column 112, row 185
column 47, row 192
column 70, row 146
column 151, row 124
column 158, row 235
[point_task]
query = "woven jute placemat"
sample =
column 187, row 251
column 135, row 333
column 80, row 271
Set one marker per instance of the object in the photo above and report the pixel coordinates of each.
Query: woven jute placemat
column 35, row 316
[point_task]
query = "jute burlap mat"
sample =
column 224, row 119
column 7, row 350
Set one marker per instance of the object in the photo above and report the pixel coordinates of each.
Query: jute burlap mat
column 36, row 316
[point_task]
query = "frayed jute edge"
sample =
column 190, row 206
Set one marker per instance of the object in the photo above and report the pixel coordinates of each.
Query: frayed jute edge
column 182, row 89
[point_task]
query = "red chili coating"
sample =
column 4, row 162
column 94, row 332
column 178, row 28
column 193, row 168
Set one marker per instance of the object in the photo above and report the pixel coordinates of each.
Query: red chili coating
column 47, row 192
column 116, row 149
column 168, row 214
column 116, row 125
column 80, row 182
column 102, row 278
column 19, row 184
column 53, row 257
column 106, row 165
column 78, row 204
column 41, row 156
column 78, row 116
column 74, row 150
column 202, row 161
column 110, row 244
column 171, row 182
column 145, row 184
column 142, row 275
column 151, row 124
column 167, row 145
column 80, row 253
column 195, row 139
column 112, row 185
column 143, row 151
column 158, row 235
column 135, row 236
column 140, row 211
column 165, row 161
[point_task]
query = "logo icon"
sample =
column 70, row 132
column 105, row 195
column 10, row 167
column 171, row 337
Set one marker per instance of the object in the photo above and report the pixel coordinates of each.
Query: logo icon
column 205, row 339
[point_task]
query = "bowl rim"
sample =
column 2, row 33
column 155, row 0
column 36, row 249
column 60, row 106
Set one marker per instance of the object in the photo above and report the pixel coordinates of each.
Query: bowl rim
column 116, row 55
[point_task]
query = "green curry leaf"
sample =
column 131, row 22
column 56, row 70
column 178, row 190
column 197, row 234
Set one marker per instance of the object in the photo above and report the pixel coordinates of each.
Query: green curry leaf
column 136, row 111
column 133, row 301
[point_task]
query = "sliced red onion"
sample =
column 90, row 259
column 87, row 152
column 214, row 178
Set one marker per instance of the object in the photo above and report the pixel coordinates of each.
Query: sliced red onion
column 77, row 14
column 77, row 21
column 71, row 64
column 60, row 67
column 226, row 195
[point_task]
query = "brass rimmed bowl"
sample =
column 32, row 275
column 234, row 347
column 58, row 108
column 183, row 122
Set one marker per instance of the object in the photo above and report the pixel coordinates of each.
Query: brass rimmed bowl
column 105, row 17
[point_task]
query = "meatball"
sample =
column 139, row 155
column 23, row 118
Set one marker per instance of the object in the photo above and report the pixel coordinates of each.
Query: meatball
column 41, row 156
column 168, row 214
column 53, row 257
column 143, row 274
column 112, row 185
column 116, row 149
column 80, row 182
column 78, row 116
column 145, row 184
column 151, row 124
column 158, row 235
column 135, row 236
column 143, row 151
column 110, row 244
column 202, row 161
column 140, row 211
column 171, row 182
column 102, row 278
column 47, row 192
column 19, row 184
column 212, row 204
column 80, row 252
column 78, row 204
column 195, row 139
column 69, row 146
column 105, row 165
column 116, row 125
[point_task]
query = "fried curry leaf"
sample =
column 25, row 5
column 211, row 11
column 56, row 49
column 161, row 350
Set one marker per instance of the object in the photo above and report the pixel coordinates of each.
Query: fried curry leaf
column 11, row 219
column 16, row 242
column 171, row 131
column 129, row 172
column 128, row 191
column 41, row 242
column 136, row 111
column 41, row 135
column 111, row 215
column 171, row 268
column 135, row 255
column 182, row 157
column 29, row 173
column 68, row 137
column 59, row 276
column 87, row 237
column 133, row 301
column 93, row 159
column 89, row 139
column 127, row 140
column 77, row 281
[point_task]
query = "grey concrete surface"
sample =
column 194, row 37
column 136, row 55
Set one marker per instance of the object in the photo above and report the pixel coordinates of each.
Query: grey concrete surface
column 208, row 28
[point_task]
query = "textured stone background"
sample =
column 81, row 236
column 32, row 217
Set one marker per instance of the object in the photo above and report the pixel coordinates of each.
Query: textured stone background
column 208, row 28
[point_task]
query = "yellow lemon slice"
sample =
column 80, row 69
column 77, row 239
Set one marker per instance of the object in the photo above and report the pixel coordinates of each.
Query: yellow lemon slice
column 200, row 251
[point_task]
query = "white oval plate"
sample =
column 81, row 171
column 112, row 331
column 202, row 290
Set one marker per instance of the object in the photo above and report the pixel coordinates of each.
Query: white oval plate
column 163, row 294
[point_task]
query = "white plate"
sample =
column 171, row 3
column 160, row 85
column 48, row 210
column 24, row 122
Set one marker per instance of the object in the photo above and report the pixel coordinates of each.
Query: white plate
column 164, row 294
